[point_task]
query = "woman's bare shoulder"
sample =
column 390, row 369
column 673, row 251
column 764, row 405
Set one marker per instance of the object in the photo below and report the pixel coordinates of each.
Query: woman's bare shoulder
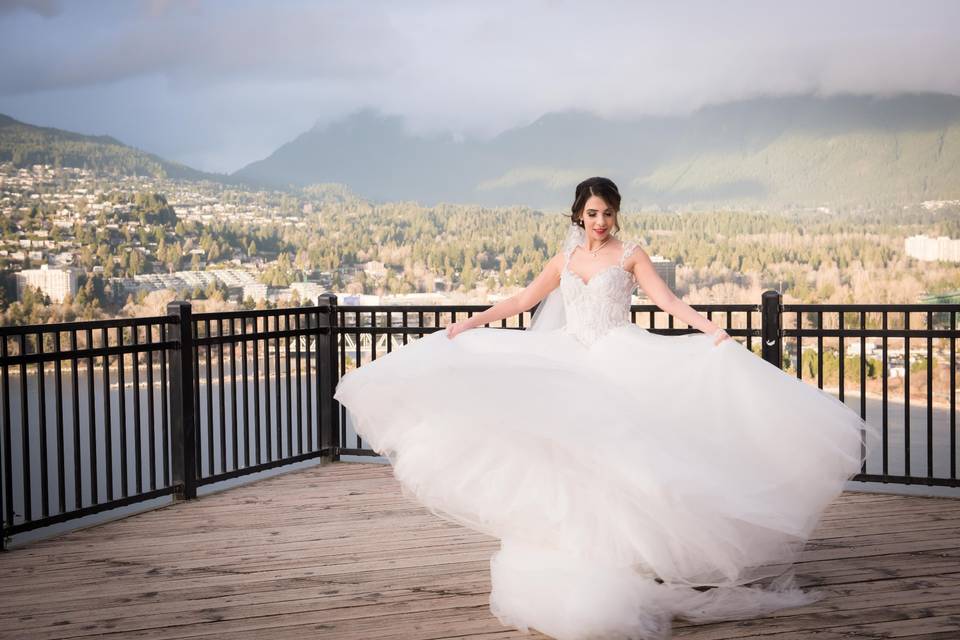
column 554, row 265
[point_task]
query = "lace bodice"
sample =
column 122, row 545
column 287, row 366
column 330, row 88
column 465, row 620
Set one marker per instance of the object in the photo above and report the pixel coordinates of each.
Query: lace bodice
column 595, row 307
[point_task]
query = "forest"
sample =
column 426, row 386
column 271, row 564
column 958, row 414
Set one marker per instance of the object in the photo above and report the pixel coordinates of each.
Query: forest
column 722, row 256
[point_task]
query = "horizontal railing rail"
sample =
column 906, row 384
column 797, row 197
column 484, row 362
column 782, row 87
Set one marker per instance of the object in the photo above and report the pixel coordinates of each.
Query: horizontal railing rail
column 105, row 414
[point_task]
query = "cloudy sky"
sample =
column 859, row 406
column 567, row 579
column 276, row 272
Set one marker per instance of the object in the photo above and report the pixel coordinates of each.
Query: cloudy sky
column 219, row 84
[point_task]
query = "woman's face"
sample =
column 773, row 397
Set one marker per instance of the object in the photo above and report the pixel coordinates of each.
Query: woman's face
column 598, row 218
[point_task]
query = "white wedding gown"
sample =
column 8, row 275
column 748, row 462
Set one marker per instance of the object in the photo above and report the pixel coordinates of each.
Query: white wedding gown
column 607, row 458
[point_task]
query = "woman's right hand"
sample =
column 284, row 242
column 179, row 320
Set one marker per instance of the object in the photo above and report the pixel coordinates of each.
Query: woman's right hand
column 457, row 328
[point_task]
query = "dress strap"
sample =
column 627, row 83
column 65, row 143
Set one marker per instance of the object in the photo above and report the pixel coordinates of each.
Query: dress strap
column 575, row 237
column 628, row 247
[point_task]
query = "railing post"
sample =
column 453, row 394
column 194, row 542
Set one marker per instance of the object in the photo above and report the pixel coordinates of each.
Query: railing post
column 770, row 328
column 327, row 369
column 183, row 429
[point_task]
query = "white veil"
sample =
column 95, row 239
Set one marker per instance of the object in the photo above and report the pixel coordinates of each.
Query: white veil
column 550, row 313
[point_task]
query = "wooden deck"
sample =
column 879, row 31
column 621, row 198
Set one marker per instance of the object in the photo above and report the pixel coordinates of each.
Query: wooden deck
column 337, row 552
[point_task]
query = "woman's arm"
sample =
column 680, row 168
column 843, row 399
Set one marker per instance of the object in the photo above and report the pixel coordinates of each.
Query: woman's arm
column 544, row 283
column 661, row 295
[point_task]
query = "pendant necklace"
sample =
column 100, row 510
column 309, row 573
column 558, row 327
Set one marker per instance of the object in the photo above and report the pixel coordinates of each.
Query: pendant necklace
column 594, row 251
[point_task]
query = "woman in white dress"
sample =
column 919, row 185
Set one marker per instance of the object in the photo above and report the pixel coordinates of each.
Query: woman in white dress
column 631, row 477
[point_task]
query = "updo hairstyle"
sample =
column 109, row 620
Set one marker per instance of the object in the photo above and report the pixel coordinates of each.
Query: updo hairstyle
column 601, row 187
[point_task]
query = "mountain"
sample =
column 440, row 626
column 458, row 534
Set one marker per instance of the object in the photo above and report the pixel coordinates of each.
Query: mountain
column 783, row 151
column 25, row 145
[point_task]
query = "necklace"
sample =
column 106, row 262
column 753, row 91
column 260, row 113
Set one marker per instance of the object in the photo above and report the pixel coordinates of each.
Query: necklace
column 594, row 251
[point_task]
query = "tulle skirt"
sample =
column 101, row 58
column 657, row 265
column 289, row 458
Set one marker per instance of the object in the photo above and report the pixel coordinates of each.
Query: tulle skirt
column 617, row 476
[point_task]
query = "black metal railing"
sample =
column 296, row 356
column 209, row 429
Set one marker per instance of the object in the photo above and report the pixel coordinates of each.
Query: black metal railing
column 918, row 426
column 71, row 446
column 776, row 332
column 365, row 332
column 104, row 414
column 261, row 377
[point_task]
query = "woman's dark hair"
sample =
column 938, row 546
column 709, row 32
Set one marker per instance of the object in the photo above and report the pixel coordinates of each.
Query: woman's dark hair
column 601, row 187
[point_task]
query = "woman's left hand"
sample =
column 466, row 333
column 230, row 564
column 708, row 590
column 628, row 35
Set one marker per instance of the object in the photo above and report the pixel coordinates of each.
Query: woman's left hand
column 720, row 335
column 457, row 328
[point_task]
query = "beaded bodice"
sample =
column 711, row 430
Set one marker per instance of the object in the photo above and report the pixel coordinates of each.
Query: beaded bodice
column 595, row 307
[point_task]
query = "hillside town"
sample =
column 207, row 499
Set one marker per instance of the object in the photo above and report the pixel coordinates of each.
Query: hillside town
column 44, row 251
column 51, row 213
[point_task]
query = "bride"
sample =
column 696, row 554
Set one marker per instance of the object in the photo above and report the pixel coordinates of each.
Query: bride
column 631, row 477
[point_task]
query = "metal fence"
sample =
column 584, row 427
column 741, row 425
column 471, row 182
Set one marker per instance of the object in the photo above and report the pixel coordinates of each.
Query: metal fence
column 919, row 441
column 918, row 416
column 104, row 414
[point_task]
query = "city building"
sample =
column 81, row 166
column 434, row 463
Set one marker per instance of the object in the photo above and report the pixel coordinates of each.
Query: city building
column 356, row 299
column 375, row 269
column 188, row 280
column 255, row 291
column 56, row 284
column 666, row 269
column 929, row 249
column 307, row 290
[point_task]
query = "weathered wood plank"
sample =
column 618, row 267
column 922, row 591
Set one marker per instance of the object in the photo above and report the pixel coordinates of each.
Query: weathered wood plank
column 337, row 551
